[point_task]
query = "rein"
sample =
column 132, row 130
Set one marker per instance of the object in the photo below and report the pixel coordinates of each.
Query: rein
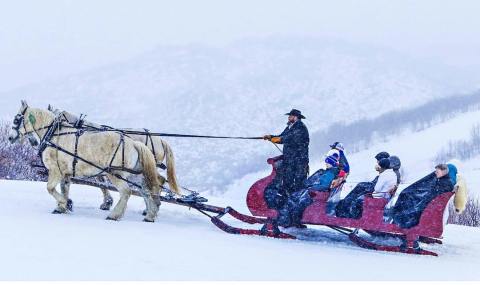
column 178, row 135
column 79, row 124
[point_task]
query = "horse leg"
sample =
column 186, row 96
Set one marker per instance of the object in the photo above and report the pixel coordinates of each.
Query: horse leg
column 53, row 180
column 162, row 181
column 65, row 186
column 121, row 205
column 152, row 201
column 107, row 198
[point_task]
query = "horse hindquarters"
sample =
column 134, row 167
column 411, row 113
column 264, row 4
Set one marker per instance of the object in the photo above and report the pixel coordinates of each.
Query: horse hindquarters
column 151, row 181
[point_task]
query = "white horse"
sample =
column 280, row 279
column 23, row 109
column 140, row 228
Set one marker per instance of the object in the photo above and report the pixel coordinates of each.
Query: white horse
column 160, row 149
column 67, row 153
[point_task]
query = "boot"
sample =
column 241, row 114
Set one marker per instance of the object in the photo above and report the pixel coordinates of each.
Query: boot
column 283, row 218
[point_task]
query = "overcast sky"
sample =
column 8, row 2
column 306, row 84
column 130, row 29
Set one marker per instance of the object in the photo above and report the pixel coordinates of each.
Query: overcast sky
column 51, row 38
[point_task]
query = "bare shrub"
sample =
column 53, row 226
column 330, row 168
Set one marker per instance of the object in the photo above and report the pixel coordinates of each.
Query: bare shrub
column 16, row 159
column 471, row 215
column 461, row 149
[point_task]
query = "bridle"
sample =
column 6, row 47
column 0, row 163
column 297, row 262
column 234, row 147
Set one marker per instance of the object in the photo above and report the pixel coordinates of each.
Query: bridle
column 19, row 121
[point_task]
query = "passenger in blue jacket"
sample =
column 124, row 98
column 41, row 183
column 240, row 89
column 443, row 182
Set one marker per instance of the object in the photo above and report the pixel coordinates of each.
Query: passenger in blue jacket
column 339, row 149
column 295, row 140
column 291, row 214
column 322, row 179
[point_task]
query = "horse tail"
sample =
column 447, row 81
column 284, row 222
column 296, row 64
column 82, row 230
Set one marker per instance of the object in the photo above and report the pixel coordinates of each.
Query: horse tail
column 171, row 173
column 461, row 196
column 149, row 166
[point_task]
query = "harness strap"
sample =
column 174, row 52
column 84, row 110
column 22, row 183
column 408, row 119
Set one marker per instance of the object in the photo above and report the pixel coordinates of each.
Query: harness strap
column 148, row 136
column 116, row 151
column 153, row 146
column 56, row 125
column 75, row 157
column 122, row 141
column 147, row 132
column 65, row 134
column 59, row 148
column 48, row 136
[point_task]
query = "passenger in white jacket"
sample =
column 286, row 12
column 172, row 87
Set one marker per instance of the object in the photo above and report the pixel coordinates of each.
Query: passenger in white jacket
column 387, row 180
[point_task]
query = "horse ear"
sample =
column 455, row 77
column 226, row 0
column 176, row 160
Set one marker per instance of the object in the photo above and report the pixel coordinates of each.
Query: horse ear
column 24, row 104
column 49, row 108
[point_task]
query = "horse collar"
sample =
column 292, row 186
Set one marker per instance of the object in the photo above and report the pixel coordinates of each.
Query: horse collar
column 45, row 141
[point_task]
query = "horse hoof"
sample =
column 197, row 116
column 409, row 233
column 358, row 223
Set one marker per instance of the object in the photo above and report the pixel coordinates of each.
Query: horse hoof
column 56, row 212
column 144, row 213
column 148, row 220
column 105, row 207
column 111, row 219
column 70, row 205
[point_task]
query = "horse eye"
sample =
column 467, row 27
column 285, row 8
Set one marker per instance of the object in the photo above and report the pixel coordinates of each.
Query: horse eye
column 17, row 120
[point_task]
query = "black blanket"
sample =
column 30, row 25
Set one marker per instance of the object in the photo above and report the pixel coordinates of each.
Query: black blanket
column 414, row 199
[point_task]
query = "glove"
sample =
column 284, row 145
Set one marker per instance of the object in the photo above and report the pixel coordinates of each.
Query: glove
column 276, row 139
column 267, row 137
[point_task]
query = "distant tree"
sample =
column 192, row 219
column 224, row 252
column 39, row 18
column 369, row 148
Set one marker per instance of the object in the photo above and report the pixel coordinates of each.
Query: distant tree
column 471, row 215
column 359, row 135
column 461, row 149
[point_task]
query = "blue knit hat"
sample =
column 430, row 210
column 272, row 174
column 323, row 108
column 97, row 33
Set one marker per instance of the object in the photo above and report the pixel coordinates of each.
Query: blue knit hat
column 452, row 172
column 332, row 159
column 338, row 145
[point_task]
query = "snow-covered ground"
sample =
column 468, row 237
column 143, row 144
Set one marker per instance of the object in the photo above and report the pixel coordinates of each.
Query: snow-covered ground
column 184, row 245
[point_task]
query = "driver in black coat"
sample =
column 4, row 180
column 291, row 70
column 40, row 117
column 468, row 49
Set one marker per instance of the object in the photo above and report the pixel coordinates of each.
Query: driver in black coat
column 295, row 140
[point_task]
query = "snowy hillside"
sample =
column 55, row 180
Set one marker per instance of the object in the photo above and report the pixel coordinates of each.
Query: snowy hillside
column 184, row 245
column 202, row 90
column 418, row 150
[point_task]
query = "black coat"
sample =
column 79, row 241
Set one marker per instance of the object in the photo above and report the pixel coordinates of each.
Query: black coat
column 352, row 205
column 295, row 142
column 414, row 199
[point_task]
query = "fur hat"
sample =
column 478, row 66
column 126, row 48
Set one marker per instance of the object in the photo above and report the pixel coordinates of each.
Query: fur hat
column 384, row 163
column 381, row 155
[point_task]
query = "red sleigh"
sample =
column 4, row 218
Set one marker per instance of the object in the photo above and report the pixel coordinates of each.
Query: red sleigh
column 429, row 230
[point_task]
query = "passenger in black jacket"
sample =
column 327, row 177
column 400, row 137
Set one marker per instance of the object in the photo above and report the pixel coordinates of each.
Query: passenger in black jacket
column 295, row 140
column 411, row 202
